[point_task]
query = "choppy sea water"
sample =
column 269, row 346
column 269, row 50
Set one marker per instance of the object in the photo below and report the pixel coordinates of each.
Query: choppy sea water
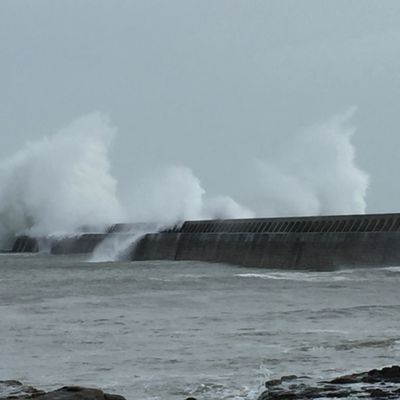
column 167, row 330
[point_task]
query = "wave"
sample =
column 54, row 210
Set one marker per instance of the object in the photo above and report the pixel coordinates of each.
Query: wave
column 64, row 181
column 306, row 276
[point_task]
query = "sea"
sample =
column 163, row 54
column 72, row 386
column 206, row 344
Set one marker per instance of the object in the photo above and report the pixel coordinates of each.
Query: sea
column 170, row 330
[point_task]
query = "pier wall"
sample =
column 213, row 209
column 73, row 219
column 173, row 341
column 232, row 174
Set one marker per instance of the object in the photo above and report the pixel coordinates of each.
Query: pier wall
column 297, row 251
column 298, row 243
column 295, row 243
column 85, row 243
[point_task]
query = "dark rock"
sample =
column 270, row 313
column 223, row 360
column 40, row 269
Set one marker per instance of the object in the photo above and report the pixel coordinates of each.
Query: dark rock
column 16, row 390
column 377, row 392
column 108, row 396
column 344, row 380
column 281, row 395
column 391, row 372
column 273, row 382
column 79, row 393
column 289, row 377
column 375, row 384
column 387, row 374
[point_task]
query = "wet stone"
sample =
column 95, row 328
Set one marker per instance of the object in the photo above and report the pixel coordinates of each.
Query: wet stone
column 374, row 384
column 273, row 382
column 16, row 390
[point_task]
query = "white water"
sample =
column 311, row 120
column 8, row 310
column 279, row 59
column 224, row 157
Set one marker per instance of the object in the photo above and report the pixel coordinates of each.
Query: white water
column 60, row 182
column 64, row 181
column 116, row 247
column 314, row 174
column 175, row 194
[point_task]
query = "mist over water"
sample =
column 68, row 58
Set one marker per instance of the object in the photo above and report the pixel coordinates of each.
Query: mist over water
column 64, row 181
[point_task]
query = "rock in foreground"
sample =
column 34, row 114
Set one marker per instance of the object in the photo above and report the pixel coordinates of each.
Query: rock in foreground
column 375, row 384
column 16, row 390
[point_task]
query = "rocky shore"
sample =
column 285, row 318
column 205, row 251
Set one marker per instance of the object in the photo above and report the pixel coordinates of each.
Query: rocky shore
column 16, row 390
column 374, row 384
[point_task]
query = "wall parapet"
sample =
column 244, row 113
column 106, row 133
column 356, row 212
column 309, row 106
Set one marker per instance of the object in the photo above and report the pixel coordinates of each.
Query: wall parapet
column 323, row 224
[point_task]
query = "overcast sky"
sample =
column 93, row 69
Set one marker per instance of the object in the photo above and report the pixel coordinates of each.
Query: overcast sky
column 208, row 84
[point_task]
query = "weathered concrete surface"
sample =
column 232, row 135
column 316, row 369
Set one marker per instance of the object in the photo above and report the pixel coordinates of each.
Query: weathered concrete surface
column 85, row 243
column 25, row 244
column 292, row 250
column 77, row 243
column 295, row 243
column 382, row 384
column 331, row 223
column 16, row 390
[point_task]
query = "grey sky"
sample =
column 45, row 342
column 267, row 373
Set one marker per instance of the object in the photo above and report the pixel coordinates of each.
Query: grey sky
column 208, row 84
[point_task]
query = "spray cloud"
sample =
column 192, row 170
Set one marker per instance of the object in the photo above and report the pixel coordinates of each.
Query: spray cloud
column 63, row 181
column 315, row 174
column 60, row 182
column 175, row 194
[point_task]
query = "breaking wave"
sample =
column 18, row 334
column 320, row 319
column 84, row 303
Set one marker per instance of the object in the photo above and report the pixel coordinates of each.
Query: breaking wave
column 60, row 182
column 63, row 182
column 315, row 174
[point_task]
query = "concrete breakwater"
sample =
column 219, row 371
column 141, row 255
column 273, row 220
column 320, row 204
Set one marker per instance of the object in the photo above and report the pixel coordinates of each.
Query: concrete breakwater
column 82, row 242
column 299, row 243
column 295, row 243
